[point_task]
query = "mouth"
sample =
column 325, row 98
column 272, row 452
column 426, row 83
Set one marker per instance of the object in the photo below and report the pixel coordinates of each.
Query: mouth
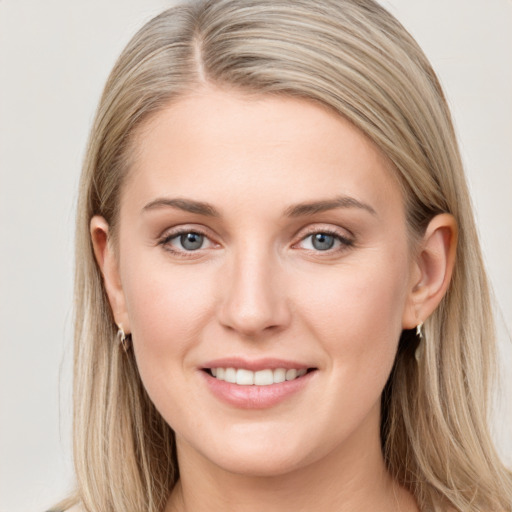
column 257, row 383
column 264, row 377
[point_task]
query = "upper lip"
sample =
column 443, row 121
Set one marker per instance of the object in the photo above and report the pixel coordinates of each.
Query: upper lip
column 255, row 364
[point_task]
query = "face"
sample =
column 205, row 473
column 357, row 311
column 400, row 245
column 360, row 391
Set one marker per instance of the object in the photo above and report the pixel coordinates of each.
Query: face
column 264, row 272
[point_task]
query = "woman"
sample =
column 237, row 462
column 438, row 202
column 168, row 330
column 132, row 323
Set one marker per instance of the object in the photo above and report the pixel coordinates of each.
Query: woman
column 275, row 227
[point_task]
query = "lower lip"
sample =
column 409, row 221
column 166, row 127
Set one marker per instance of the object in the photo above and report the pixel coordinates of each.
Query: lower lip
column 255, row 397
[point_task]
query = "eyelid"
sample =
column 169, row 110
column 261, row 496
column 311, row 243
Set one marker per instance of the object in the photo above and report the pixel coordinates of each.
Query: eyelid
column 325, row 228
column 340, row 234
column 171, row 233
column 179, row 229
column 343, row 235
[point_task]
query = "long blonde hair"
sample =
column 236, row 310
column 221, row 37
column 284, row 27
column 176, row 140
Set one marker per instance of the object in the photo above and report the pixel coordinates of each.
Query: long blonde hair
column 355, row 58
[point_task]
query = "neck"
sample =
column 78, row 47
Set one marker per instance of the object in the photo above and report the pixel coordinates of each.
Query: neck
column 344, row 480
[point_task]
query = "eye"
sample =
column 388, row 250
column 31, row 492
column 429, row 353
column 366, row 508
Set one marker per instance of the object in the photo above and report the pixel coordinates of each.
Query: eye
column 325, row 241
column 186, row 241
column 191, row 241
column 322, row 241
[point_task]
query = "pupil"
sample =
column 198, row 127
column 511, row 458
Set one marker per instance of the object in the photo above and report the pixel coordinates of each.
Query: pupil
column 323, row 241
column 191, row 241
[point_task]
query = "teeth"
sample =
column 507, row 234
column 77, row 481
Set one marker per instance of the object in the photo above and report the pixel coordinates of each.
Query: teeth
column 264, row 378
column 291, row 374
column 244, row 377
column 279, row 375
column 230, row 375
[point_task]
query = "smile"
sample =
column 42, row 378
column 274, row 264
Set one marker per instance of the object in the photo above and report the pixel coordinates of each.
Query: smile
column 266, row 377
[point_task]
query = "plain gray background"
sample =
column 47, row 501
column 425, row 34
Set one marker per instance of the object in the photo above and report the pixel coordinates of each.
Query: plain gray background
column 55, row 56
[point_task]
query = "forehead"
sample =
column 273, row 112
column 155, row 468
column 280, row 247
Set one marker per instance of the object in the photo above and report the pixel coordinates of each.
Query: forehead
column 223, row 145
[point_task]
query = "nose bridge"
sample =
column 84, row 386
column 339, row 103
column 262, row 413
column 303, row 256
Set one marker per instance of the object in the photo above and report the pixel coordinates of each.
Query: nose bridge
column 255, row 300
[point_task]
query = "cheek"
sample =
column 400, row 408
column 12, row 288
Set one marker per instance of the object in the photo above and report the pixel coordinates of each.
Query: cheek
column 166, row 307
column 357, row 321
column 357, row 315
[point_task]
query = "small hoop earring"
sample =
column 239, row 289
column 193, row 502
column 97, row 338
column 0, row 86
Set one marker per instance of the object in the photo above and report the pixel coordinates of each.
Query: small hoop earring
column 419, row 349
column 122, row 338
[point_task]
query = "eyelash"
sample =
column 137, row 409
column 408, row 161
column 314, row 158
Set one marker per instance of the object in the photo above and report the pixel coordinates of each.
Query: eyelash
column 345, row 242
column 166, row 239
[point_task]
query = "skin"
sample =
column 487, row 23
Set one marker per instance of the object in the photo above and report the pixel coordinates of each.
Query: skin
column 258, row 287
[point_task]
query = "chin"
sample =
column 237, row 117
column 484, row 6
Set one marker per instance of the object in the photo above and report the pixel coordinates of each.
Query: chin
column 261, row 455
column 260, row 465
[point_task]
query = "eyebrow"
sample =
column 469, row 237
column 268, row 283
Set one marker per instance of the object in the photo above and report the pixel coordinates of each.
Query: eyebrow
column 187, row 205
column 298, row 210
column 314, row 207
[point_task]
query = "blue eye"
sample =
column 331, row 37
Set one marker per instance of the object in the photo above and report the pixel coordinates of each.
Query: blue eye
column 324, row 241
column 191, row 241
column 185, row 242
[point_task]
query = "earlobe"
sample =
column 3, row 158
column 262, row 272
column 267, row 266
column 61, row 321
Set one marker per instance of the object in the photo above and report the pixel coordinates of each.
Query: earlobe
column 434, row 264
column 108, row 264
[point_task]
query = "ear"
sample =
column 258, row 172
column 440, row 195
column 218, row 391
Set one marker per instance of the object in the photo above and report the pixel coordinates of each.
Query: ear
column 109, row 267
column 432, row 270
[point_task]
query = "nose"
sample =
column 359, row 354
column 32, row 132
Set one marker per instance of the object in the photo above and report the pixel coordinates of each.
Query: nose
column 255, row 301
